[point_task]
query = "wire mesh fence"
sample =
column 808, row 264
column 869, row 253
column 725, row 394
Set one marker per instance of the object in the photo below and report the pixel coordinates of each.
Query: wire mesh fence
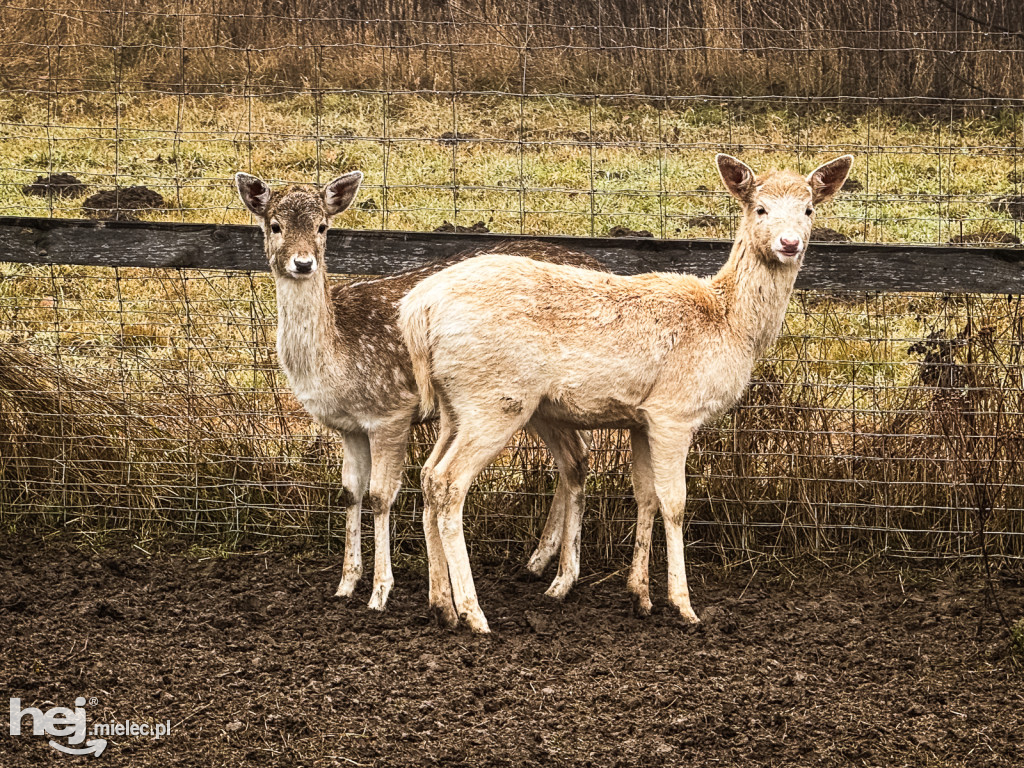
column 536, row 118
column 150, row 400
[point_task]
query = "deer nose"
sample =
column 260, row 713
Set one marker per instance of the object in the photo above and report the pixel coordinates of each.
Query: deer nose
column 303, row 266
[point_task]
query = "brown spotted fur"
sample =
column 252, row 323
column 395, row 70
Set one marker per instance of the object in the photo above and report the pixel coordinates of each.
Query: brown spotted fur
column 339, row 345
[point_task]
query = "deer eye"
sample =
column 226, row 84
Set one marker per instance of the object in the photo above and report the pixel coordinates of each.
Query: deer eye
column 322, row 228
column 275, row 228
column 809, row 211
column 761, row 211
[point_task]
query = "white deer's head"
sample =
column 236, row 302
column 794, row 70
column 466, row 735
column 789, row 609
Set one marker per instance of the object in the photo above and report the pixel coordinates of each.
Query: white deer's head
column 779, row 206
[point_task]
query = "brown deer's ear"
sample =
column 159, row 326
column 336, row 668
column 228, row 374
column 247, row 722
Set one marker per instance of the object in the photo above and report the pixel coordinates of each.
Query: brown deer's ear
column 339, row 194
column 827, row 179
column 737, row 177
column 254, row 192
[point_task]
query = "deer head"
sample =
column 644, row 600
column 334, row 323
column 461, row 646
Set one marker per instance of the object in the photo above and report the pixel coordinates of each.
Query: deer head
column 779, row 207
column 295, row 219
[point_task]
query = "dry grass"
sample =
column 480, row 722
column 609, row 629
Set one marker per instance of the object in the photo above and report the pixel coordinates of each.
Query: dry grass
column 916, row 50
column 130, row 418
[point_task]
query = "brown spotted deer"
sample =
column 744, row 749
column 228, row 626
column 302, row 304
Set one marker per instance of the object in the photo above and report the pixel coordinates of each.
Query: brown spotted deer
column 340, row 348
column 500, row 341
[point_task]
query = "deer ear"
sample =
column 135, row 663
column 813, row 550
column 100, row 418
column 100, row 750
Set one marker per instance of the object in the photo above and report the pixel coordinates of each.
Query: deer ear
column 737, row 177
column 827, row 179
column 254, row 192
column 339, row 194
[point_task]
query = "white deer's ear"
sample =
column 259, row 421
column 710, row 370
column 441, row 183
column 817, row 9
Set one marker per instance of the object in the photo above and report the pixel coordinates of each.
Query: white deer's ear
column 254, row 192
column 827, row 179
column 339, row 194
column 737, row 177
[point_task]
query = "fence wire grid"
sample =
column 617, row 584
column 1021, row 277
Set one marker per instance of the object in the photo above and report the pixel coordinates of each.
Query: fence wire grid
column 150, row 400
column 535, row 119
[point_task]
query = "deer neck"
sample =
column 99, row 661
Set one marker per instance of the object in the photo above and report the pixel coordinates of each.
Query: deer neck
column 306, row 331
column 755, row 292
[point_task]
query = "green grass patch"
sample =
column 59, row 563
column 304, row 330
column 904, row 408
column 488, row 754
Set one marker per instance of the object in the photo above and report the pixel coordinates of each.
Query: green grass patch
column 539, row 165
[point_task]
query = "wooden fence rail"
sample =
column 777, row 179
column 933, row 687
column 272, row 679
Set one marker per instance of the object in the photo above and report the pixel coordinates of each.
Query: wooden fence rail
column 829, row 266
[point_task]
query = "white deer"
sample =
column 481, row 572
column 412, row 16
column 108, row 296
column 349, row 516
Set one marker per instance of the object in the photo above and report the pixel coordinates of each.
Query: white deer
column 346, row 363
column 499, row 341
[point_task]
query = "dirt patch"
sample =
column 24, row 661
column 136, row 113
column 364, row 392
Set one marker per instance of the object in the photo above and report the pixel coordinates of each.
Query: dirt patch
column 447, row 226
column 984, row 238
column 1012, row 205
column 254, row 662
column 828, row 235
column 451, row 138
column 122, row 204
column 56, row 184
column 705, row 220
column 620, row 231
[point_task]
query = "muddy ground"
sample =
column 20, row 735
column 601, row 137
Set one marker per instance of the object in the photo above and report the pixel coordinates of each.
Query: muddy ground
column 254, row 663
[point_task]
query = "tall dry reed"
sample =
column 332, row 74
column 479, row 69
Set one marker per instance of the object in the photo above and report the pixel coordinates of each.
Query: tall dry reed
column 925, row 50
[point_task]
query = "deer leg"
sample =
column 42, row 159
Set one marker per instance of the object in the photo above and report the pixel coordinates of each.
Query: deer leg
column 440, row 585
column 355, row 474
column 551, row 536
column 571, row 452
column 668, row 459
column 647, row 506
column 446, row 489
column 387, row 447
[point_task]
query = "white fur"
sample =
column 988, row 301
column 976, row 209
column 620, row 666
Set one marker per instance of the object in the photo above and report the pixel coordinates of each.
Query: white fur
column 504, row 341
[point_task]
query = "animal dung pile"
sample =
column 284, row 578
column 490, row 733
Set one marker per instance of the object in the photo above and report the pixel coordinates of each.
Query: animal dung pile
column 55, row 184
column 122, row 204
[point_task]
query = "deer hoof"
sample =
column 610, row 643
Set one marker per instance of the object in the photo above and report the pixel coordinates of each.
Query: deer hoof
column 640, row 605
